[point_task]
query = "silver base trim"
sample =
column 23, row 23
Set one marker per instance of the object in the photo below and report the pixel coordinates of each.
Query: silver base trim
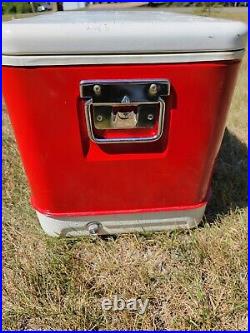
column 101, row 59
column 74, row 226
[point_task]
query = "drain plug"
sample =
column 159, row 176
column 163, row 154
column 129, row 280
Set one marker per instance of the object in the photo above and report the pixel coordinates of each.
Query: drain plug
column 93, row 228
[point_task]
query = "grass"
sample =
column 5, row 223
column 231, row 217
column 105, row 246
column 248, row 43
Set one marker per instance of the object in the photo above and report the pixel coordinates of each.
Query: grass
column 8, row 17
column 195, row 280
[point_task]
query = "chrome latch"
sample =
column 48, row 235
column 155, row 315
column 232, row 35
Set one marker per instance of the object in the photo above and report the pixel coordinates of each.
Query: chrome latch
column 125, row 111
column 124, row 119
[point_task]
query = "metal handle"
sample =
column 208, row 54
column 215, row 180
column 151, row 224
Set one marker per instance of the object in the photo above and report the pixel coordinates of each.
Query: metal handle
column 124, row 105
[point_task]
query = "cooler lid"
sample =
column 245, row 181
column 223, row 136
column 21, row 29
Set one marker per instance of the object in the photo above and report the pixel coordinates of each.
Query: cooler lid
column 120, row 32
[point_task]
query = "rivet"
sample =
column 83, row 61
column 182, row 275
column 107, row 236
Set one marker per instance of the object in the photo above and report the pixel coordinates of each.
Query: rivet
column 99, row 117
column 153, row 89
column 97, row 89
column 150, row 116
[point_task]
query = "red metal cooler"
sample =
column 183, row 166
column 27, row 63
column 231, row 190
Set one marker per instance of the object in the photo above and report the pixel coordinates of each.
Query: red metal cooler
column 119, row 116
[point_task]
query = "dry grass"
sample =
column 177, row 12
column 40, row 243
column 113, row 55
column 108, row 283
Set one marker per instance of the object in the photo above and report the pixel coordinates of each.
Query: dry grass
column 194, row 280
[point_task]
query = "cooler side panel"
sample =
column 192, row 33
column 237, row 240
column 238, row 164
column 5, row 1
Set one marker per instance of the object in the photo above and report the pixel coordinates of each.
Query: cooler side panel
column 69, row 174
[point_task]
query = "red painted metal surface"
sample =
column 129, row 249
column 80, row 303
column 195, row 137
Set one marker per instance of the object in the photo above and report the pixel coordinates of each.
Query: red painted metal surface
column 69, row 174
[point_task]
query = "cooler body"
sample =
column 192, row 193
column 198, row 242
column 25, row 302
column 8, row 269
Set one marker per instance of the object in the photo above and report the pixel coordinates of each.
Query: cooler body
column 111, row 144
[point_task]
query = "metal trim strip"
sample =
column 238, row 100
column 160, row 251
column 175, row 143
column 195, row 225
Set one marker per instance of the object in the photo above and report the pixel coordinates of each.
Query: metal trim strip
column 104, row 59
column 73, row 226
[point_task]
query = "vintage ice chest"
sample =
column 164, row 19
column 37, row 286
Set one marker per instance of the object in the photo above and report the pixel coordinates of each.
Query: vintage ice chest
column 119, row 116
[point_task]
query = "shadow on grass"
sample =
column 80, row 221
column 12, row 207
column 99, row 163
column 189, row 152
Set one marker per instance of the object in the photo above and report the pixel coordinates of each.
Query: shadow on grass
column 229, row 183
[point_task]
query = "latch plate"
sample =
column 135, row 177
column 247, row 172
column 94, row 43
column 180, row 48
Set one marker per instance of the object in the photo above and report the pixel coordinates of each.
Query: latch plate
column 125, row 106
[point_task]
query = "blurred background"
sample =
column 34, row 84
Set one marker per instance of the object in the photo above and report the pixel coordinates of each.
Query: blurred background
column 11, row 10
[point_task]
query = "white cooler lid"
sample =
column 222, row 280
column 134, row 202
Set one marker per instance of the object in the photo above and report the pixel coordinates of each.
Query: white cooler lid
column 120, row 32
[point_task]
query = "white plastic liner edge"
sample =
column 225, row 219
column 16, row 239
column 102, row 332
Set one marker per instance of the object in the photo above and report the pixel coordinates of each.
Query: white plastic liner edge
column 103, row 59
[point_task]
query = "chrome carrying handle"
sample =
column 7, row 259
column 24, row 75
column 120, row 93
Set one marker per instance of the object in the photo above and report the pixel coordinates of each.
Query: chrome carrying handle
column 124, row 105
